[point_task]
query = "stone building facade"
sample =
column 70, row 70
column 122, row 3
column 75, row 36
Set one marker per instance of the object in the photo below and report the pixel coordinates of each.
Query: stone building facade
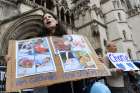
column 99, row 20
column 121, row 18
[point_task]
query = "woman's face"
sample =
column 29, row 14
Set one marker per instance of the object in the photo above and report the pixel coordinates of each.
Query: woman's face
column 49, row 21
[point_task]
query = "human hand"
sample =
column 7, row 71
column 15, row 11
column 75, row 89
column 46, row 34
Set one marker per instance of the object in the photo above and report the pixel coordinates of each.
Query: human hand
column 119, row 71
column 131, row 72
column 7, row 58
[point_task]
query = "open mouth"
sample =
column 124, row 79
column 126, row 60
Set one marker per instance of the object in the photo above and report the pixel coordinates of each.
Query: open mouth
column 48, row 22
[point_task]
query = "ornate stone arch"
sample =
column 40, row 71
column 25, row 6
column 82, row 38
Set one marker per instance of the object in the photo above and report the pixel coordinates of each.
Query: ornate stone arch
column 23, row 28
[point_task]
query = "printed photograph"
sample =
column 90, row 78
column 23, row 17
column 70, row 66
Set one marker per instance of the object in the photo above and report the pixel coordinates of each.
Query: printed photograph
column 76, row 42
column 59, row 44
column 86, row 60
column 40, row 45
column 25, row 66
column 25, row 47
column 69, row 43
column 70, row 62
column 44, row 63
column 76, row 60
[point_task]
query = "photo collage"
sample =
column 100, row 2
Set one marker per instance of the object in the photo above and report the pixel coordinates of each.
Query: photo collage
column 73, row 52
column 33, row 57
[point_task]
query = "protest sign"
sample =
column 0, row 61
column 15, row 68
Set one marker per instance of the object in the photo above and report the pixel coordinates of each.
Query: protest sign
column 122, row 61
column 46, row 61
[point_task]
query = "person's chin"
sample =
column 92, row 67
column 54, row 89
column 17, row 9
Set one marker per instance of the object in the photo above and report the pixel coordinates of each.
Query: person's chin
column 49, row 26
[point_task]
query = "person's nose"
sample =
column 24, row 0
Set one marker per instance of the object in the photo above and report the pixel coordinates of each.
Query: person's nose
column 46, row 18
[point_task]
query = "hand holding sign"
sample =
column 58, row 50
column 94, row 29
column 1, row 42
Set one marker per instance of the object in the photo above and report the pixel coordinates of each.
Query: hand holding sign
column 119, row 71
column 121, row 61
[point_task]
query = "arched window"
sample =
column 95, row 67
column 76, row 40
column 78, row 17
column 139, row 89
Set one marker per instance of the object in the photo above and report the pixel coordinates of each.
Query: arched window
column 62, row 14
column 49, row 4
column 119, row 16
column 118, row 3
column 131, row 37
column 105, row 42
column 58, row 12
column 68, row 17
column 72, row 19
column 129, row 6
column 96, row 37
column 38, row 2
column 42, row 2
column 129, row 53
column 124, row 34
column 1, row 12
column 95, row 34
column 123, row 2
column 114, row 4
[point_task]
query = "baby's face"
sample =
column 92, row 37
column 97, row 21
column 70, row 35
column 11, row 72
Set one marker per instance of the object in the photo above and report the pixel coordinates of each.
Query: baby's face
column 46, row 60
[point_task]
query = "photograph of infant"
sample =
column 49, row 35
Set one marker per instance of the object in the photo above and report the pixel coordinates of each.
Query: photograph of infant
column 40, row 45
column 76, row 60
column 25, row 66
column 24, row 47
column 44, row 63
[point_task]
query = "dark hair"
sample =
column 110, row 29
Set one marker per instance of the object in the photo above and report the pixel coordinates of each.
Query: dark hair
column 60, row 29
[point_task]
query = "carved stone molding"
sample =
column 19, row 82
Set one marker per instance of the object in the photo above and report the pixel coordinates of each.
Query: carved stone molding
column 97, row 10
column 25, row 27
column 9, row 2
column 8, row 9
column 81, row 7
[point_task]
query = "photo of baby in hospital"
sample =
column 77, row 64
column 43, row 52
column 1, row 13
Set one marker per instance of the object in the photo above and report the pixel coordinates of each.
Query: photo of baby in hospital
column 59, row 44
column 76, row 42
column 76, row 60
column 40, row 45
column 70, row 62
column 25, row 66
column 25, row 47
column 44, row 63
column 86, row 60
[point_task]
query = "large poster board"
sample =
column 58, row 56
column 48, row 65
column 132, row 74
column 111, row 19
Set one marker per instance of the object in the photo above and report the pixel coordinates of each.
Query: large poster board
column 122, row 61
column 50, row 60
